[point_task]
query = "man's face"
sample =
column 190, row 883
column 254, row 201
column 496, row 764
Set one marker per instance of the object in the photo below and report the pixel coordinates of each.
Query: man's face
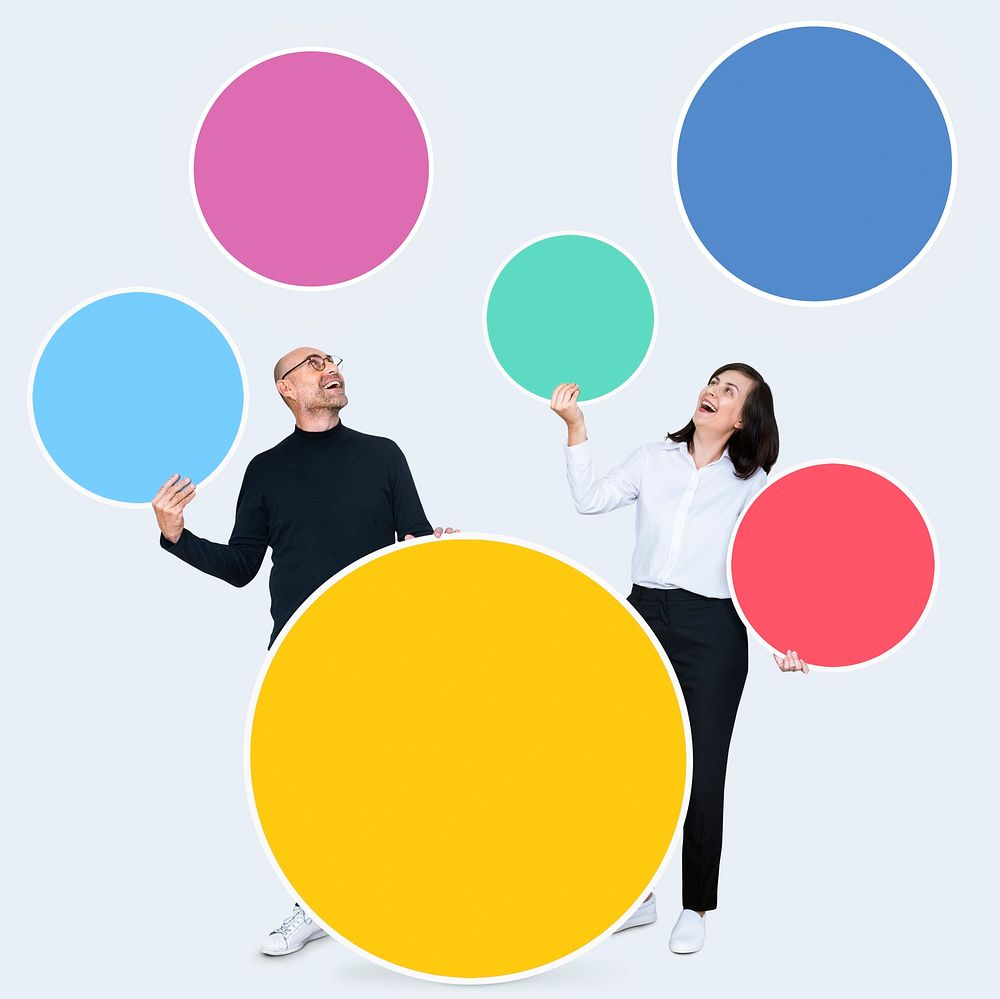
column 313, row 383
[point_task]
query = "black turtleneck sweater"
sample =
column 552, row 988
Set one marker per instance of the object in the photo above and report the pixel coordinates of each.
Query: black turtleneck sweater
column 319, row 500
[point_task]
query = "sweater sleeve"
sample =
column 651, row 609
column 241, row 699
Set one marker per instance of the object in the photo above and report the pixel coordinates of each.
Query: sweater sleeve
column 240, row 560
column 599, row 495
column 407, row 511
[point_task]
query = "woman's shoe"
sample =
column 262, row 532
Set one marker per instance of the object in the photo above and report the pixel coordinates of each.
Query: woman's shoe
column 646, row 913
column 688, row 935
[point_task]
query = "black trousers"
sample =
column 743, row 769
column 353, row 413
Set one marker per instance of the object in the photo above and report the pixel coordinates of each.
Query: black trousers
column 706, row 643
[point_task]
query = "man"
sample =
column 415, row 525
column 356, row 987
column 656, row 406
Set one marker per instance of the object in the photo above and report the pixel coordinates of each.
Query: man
column 320, row 499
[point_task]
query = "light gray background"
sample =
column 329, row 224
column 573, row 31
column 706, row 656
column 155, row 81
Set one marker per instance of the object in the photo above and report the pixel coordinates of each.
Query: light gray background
column 859, row 844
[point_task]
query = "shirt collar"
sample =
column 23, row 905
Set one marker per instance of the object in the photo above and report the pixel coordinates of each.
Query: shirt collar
column 673, row 445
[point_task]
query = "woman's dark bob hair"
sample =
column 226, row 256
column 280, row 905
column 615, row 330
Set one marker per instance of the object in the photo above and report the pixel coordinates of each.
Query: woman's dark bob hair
column 755, row 444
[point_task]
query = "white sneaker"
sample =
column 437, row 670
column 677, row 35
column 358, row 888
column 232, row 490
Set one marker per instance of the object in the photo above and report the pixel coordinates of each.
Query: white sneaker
column 646, row 913
column 688, row 934
column 292, row 935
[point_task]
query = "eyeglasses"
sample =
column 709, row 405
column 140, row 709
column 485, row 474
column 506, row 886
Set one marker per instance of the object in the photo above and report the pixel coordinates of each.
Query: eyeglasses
column 317, row 362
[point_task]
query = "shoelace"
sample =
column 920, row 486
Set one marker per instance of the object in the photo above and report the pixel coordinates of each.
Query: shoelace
column 295, row 919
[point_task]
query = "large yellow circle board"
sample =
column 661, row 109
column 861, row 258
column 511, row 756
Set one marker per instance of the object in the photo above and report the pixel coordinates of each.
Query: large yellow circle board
column 468, row 758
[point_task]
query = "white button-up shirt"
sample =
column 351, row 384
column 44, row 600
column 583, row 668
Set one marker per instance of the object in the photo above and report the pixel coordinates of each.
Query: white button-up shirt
column 684, row 517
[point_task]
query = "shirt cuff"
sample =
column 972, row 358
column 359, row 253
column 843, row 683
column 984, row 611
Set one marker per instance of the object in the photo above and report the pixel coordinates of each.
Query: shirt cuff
column 578, row 454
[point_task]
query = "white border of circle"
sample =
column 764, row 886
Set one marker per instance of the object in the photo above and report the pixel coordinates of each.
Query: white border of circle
column 927, row 523
column 453, row 539
column 615, row 246
column 413, row 229
column 948, row 201
column 108, row 294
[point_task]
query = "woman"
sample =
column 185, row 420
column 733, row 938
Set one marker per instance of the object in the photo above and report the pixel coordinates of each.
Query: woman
column 690, row 490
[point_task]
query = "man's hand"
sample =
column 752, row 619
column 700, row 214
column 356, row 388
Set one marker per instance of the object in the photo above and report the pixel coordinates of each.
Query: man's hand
column 790, row 663
column 169, row 503
column 438, row 531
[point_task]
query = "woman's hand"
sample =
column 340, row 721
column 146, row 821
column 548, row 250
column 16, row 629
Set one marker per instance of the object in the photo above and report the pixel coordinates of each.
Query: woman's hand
column 565, row 406
column 790, row 663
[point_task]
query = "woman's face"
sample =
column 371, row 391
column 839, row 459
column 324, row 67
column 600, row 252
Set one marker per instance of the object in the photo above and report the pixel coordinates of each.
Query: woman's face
column 720, row 402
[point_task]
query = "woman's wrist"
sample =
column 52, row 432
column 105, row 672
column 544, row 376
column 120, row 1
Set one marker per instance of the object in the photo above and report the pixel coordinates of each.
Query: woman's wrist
column 576, row 433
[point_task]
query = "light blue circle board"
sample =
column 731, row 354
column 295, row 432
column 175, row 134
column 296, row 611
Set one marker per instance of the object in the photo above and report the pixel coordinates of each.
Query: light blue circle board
column 132, row 388
column 814, row 163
